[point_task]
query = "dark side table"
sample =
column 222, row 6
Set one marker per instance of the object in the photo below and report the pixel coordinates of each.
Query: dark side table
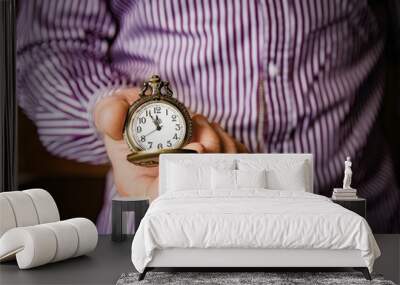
column 357, row 205
column 120, row 205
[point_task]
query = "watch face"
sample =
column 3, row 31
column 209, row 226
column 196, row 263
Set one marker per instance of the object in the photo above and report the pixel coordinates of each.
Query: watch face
column 157, row 125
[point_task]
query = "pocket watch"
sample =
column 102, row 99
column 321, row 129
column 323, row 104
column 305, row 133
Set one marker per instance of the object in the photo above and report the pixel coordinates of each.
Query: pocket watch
column 156, row 123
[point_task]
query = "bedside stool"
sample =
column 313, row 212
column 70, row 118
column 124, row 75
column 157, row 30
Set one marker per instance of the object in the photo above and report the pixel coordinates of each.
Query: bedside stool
column 126, row 204
column 357, row 205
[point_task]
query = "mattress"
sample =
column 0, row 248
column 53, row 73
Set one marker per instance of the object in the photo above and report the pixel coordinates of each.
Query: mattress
column 251, row 219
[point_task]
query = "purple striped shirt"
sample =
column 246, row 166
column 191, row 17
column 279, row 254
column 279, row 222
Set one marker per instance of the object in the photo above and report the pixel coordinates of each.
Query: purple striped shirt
column 279, row 75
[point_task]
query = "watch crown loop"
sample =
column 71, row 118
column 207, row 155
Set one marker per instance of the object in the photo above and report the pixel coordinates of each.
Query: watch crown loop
column 156, row 86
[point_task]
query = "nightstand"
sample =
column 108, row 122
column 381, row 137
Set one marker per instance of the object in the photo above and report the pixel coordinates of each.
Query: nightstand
column 357, row 205
column 126, row 204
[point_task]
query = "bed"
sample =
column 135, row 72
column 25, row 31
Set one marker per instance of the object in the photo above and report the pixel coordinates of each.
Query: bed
column 246, row 211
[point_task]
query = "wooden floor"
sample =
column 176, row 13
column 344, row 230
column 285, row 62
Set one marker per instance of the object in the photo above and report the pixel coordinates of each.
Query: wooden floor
column 110, row 260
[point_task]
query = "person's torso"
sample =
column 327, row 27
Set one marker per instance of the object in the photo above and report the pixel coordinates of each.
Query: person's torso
column 280, row 76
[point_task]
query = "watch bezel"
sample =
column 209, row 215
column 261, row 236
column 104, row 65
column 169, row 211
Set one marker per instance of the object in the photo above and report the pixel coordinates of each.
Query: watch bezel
column 128, row 137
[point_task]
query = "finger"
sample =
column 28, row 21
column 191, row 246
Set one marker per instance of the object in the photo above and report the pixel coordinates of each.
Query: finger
column 109, row 116
column 241, row 148
column 127, row 174
column 205, row 134
column 110, row 112
column 130, row 94
column 196, row 146
column 228, row 144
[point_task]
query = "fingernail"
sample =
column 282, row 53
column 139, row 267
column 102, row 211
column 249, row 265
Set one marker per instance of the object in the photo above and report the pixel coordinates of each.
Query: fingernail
column 201, row 120
column 216, row 125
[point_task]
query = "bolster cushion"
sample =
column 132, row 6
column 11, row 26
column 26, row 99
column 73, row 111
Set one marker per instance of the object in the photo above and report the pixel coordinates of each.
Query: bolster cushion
column 26, row 208
column 40, row 244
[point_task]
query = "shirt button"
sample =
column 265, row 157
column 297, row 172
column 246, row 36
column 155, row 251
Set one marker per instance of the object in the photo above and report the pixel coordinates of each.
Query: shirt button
column 273, row 70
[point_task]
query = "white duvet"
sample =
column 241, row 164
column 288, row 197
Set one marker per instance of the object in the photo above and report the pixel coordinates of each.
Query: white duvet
column 250, row 219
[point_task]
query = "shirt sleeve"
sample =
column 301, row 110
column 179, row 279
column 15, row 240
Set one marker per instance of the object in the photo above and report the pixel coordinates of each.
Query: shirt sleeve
column 63, row 69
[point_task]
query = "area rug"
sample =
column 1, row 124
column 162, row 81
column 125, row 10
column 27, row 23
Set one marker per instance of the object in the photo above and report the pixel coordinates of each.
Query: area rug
column 243, row 278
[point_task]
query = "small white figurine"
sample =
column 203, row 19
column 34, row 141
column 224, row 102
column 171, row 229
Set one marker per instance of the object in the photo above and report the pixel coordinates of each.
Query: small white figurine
column 347, row 174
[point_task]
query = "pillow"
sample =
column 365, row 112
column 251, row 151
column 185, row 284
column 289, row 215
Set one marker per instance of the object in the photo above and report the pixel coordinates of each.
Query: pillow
column 223, row 179
column 290, row 179
column 287, row 174
column 228, row 179
column 182, row 177
column 251, row 178
column 193, row 174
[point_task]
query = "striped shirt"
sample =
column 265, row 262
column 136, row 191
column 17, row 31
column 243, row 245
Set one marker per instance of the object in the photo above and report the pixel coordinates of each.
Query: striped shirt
column 279, row 75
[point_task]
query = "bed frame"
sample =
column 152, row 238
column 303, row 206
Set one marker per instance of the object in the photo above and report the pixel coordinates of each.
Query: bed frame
column 245, row 258
column 242, row 259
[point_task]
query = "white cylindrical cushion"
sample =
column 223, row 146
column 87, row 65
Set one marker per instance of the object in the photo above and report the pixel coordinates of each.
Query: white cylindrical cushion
column 41, row 244
column 45, row 205
column 36, row 245
column 7, row 218
column 23, row 208
column 67, row 240
column 87, row 234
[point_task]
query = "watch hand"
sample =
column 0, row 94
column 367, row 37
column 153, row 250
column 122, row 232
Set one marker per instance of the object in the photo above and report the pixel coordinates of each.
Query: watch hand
column 154, row 120
column 151, row 132
column 158, row 121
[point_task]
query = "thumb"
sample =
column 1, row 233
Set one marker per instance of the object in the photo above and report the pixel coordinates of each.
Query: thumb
column 110, row 112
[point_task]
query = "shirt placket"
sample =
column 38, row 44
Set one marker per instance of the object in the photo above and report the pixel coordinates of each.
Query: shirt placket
column 277, row 79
